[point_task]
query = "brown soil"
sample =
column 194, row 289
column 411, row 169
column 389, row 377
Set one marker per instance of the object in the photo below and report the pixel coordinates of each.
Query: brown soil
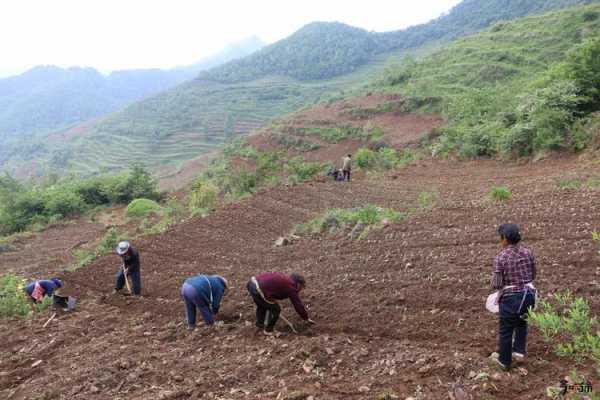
column 401, row 311
column 400, row 129
column 50, row 251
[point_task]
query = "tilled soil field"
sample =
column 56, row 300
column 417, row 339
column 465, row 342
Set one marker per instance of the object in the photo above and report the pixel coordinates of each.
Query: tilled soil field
column 400, row 312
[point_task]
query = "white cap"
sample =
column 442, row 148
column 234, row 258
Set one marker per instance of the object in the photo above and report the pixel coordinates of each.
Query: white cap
column 122, row 248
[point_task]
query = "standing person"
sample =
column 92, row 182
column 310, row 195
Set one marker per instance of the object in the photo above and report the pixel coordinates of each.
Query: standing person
column 269, row 287
column 347, row 166
column 205, row 293
column 37, row 290
column 129, row 268
column 513, row 275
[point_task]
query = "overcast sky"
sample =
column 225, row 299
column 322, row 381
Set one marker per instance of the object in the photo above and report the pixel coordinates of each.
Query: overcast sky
column 124, row 34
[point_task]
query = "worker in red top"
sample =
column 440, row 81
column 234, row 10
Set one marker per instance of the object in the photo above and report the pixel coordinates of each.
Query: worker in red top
column 269, row 287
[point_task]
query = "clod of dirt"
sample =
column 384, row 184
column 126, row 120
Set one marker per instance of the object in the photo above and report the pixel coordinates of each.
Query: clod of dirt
column 387, row 396
column 282, row 241
column 357, row 230
column 297, row 396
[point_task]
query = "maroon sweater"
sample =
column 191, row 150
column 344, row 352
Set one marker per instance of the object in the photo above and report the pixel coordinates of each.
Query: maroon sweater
column 276, row 286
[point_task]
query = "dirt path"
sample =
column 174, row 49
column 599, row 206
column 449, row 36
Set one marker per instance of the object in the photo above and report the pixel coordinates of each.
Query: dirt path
column 400, row 311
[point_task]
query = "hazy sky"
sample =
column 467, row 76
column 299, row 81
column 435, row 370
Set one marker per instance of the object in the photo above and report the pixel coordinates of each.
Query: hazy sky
column 123, row 34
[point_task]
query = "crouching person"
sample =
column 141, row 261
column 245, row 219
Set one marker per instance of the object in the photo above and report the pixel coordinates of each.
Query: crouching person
column 514, row 272
column 267, row 288
column 203, row 292
column 129, row 269
column 37, row 290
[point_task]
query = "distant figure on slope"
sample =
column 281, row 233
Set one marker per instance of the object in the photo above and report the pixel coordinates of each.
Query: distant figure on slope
column 336, row 174
column 269, row 287
column 514, row 272
column 37, row 290
column 130, row 268
column 347, row 166
column 205, row 293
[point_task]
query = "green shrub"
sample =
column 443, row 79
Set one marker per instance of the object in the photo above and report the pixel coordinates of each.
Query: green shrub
column 500, row 193
column 139, row 208
column 202, row 197
column 365, row 158
column 369, row 215
column 24, row 205
column 301, row 171
column 566, row 323
column 63, row 203
column 384, row 159
column 13, row 301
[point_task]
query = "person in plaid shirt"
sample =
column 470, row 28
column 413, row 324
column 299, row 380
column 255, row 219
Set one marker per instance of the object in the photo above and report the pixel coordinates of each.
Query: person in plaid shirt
column 514, row 272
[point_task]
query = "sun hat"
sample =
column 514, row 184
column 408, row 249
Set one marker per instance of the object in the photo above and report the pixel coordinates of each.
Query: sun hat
column 122, row 248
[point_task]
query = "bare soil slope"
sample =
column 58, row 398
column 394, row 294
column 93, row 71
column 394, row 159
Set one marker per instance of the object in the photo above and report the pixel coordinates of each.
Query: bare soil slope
column 401, row 311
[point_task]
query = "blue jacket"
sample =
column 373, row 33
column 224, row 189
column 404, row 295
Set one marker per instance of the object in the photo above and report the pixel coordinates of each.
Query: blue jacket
column 48, row 286
column 208, row 285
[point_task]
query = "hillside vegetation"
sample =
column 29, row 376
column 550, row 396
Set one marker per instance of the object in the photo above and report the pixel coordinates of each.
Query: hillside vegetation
column 47, row 98
column 518, row 88
column 320, row 62
column 325, row 50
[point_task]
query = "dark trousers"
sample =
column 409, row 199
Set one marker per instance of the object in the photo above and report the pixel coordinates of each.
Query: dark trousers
column 136, row 280
column 512, row 335
column 346, row 175
column 267, row 314
column 193, row 300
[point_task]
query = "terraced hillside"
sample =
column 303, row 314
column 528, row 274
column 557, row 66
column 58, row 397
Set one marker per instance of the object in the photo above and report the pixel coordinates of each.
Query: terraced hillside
column 248, row 94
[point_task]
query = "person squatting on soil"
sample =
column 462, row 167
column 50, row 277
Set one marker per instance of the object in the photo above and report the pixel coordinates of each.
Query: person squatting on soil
column 514, row 273
column 129, row 268
column 347, row 166
column 336, row 174
column 205, row 293
column 268, row 287
column 37, row 290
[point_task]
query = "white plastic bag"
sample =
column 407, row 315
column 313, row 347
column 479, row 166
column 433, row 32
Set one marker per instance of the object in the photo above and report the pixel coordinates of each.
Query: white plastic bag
column 491, row 304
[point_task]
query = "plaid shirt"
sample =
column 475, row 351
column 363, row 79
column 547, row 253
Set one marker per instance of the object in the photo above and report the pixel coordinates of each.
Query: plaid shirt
column 514, row 266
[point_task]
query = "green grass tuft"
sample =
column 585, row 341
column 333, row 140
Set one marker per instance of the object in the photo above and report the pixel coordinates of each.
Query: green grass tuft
column 500, row 193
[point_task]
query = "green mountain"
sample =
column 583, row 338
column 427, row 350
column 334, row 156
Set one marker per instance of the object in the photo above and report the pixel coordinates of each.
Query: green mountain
column 519, row 88
column 47, row 98
column 319, row 61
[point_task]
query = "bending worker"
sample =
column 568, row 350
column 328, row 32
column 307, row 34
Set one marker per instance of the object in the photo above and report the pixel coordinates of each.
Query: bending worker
column 205, row 293
column 269, row 287
column 129, row 268
column 37, row 290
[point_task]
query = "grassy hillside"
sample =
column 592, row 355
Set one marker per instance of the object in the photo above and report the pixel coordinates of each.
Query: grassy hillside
column 47, row 98
column 509, row 90
column 319, row 61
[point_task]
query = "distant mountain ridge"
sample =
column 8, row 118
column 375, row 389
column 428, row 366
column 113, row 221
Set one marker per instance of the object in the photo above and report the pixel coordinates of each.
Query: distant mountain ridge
column 45, row 98
column 318, row 62
column 323, row 50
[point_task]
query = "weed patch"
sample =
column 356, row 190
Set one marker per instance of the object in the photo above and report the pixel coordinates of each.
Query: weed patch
column 566, row 323
column 500, row 193
column 337, row 220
